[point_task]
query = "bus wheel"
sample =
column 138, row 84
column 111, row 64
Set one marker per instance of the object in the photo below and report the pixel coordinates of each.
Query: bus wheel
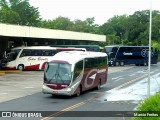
column 78, row 91
column 99, row 85
column 121, row 63
column 117, row 64
column 20, row 67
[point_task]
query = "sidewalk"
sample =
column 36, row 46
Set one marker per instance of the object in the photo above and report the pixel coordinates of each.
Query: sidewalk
column 136, row 92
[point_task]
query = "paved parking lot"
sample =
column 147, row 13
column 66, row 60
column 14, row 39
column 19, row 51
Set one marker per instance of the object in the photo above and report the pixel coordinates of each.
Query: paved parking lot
column 14, row 85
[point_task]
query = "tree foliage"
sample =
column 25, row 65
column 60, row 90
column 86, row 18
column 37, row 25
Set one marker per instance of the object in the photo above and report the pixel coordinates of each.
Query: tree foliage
column 63, row 23
column 134, row 29
column 18, row 12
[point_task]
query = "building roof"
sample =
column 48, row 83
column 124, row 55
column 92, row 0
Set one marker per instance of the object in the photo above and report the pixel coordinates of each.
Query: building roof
column 35, row 32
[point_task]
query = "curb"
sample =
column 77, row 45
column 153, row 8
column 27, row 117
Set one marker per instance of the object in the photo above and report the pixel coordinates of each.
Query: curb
column 2, row 72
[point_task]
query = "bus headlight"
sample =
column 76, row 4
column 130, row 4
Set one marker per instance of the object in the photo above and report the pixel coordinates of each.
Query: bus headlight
column 68, row 89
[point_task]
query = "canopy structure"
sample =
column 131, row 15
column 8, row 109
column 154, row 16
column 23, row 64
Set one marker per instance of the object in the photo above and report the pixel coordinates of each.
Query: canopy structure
column 34, row 32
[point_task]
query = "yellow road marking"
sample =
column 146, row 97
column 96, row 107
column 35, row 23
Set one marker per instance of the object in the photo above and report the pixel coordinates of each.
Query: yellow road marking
column 2, row 72
column 63, row 111
column 10, row 71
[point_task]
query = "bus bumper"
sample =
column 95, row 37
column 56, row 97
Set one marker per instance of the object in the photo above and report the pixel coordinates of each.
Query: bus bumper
column 65, row 91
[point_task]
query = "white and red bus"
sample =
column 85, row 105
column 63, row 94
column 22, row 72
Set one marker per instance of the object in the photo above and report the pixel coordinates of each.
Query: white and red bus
column 72, row 72
column 31, row 58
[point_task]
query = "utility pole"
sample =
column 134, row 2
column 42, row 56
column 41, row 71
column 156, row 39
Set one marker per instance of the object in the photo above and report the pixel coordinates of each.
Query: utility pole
column 149, row 52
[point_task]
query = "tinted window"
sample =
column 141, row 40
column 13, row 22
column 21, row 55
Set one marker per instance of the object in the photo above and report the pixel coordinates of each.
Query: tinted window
column 31, row 52
column 95, row 62
column 78, row 69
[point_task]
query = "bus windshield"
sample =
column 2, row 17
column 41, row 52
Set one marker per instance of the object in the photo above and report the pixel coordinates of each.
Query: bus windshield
column 111, row 51
column 57, row 73
column 12, row 55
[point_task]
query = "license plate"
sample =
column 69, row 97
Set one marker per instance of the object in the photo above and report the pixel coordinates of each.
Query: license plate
column 55, row 91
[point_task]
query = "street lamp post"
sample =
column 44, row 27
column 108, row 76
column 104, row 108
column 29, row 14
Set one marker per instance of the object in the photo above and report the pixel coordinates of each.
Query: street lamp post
column 149, row 57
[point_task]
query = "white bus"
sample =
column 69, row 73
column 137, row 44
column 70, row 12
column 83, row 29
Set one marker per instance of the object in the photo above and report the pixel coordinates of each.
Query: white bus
column 31, row 58
column 72, row 72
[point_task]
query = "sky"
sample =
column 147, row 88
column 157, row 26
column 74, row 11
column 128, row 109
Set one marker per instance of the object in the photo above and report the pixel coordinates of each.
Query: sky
column 101, row 10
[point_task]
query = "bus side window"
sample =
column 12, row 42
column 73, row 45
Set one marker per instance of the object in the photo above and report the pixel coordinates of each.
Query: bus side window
column 122, row 49
column 87, row 63
column 36, row 52
column 24, row 53
column 78, row 69
column 91, row 62
column 102, row 61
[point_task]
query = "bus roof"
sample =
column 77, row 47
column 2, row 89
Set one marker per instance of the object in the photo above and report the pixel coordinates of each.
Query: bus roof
column 74, row 56
column 33, row 47
column 87, row 47
column 48, row 47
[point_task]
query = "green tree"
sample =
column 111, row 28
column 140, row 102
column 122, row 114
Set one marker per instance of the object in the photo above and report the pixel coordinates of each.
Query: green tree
column 18, row 12
column 133, row 29
column 116, row 26
column 139, row 27
column 112, row 39
column 61, row 23
column 87, row 26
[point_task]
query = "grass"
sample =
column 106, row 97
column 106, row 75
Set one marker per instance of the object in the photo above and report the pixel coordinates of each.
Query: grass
column 149, row 105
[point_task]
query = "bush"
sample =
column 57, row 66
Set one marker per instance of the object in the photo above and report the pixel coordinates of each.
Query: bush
column 150, row 104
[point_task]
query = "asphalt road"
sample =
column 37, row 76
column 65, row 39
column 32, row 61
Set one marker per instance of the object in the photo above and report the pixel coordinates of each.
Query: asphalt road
column 22, row 92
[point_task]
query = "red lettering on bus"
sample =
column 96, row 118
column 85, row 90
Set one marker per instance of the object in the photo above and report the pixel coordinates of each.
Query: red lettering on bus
column 44, row 59
column 31, row 58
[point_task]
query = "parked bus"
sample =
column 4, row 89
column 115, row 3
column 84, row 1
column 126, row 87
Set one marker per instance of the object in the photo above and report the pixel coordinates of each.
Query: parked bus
column 70, row 73
column 95, row 48
column 122, row 55
column 31, row 58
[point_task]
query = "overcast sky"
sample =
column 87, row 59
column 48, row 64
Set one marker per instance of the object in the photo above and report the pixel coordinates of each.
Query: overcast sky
column 101, row 10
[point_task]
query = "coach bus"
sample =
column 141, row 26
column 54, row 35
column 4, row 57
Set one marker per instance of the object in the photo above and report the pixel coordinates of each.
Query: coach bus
column 31, row 58
column 72, row 72
column 95, row 48
column 122, row 55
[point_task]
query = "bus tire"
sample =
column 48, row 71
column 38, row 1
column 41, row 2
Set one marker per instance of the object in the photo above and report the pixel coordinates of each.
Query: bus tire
column 117, row 63
column 99, row 85
column 79, row 91
column 20, row 67
column 122, row 63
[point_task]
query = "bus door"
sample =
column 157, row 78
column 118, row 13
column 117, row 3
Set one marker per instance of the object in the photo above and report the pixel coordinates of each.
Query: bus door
column 90, row 72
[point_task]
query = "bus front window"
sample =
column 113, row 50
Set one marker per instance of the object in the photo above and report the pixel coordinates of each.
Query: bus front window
column 12, row 55
column 111, row 51
column 57, row 73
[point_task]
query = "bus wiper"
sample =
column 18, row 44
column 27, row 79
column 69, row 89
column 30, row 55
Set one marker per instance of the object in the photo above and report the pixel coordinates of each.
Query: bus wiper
column 60, row 77
column 49, row 81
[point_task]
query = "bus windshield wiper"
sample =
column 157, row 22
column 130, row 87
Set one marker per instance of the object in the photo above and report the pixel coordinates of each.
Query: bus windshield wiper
column 49, row 80
column 60, row 77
